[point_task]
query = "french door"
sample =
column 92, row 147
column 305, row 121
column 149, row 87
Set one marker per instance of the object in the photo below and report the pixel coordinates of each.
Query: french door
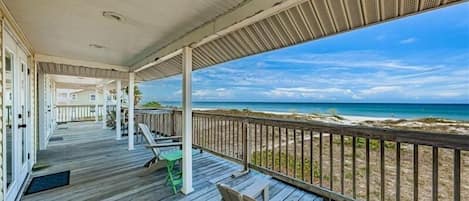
column 17, row 117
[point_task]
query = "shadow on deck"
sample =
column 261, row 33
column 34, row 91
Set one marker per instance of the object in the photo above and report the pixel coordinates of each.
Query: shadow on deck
column 103, row 169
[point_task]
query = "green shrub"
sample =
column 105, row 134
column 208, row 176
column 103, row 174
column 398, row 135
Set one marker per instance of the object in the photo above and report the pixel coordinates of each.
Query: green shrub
column 152, row 104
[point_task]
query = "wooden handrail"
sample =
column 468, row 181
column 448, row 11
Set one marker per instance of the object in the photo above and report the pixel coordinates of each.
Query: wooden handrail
column 442, row 140
column 300, row 152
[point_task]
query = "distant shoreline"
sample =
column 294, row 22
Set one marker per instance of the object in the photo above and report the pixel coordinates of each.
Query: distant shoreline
column 352, row 111
column 286, row 102
column 348, row 119
column 421, row 124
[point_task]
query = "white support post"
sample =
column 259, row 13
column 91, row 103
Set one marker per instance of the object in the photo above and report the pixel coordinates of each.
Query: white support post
column 187, row 120
column 131, row 111
column 105, row 94
column 96, row 107
column 118, row 110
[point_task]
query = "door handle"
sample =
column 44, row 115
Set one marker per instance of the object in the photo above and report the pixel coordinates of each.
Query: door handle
column 22, row 126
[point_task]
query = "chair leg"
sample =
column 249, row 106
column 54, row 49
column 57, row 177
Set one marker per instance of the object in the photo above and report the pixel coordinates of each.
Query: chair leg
column 266, row 193
column 150, row 162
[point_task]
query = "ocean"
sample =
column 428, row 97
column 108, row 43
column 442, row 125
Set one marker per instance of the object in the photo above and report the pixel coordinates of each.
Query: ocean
column 387, row 110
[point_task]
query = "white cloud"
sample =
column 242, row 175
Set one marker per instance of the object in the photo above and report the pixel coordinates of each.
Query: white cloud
column 350, row 60
column 302, row 92
column 345, row 76
column 201, row 93
column 218, row 93
column 449, row 94
column 380, row 90
column 407, row 41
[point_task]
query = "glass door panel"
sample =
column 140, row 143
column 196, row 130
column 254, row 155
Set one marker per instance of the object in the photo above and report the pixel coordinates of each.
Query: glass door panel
column 9, row 116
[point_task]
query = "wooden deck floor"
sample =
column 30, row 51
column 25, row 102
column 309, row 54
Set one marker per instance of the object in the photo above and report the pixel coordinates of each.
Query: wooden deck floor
column 103, row 169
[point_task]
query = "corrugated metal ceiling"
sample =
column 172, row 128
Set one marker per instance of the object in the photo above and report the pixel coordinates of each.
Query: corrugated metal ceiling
column 80, row 71
column 309, row 20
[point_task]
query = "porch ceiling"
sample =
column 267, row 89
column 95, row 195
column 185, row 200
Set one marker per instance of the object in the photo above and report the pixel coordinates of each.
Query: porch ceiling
column 80, row 71
column 149, row 38
column 78, row 80
column 67, row 28
column 75, row 82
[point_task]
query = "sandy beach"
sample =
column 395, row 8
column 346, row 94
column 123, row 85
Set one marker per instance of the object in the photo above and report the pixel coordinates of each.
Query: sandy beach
column 422, row 124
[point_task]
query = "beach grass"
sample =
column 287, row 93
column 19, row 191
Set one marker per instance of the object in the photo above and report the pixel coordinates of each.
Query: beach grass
column 274, row 155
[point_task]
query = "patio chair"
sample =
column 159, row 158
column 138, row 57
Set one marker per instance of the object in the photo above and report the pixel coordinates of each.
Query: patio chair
column 163, row 159
column 250, row 194
column 111, row 122
column 156, row 162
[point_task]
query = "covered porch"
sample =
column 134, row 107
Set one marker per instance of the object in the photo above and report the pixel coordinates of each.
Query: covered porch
column 131, row 43
column 103, row 169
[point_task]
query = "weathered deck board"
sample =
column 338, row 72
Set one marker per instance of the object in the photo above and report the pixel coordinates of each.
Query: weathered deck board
column 103, row 169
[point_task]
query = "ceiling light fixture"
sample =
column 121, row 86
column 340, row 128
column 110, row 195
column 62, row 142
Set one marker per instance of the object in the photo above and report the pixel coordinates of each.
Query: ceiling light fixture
column 113, row 15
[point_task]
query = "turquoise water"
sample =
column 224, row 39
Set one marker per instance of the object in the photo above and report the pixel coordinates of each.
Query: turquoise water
column 396, row 110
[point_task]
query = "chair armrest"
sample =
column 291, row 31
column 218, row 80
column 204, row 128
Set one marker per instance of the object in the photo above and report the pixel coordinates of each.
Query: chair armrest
column 168, row 138
column 255, row 189
column 170, row 144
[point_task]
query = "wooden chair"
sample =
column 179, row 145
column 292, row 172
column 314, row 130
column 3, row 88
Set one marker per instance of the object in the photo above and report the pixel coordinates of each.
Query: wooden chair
column 166, row 159
column 250, row 194
column 111, row 122
column 156, row 162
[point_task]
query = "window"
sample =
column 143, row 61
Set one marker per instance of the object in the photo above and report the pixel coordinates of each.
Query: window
column 74, row 97
column 92, row 97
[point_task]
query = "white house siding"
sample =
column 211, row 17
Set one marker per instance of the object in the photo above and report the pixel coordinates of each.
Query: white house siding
column 1, row 108
column 83, row 98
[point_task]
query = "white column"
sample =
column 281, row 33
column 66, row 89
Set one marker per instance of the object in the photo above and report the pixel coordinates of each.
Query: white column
column 105, row 94
column 131, row 111
column 96, row 105
column 187, row 120
column 118, row 110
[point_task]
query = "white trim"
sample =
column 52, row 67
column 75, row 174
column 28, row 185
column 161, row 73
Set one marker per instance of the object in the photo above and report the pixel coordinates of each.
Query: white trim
column 96, row 107
column 131, row 110
column 244, row 15
column 35, row 115
column 7, row 193
column 20, row 169
column 118, row 110
column 105, row 94
column 74, row 62
column 43, row 137
column 187, row 121
column 4, row 151
column 9, row 30
column 160, row 60
column 9, row 22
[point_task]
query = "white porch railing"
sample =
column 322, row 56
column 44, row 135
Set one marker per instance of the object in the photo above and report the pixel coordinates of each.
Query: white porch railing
column 74, row 113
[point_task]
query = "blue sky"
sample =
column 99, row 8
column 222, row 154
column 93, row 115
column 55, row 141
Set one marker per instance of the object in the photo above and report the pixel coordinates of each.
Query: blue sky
column 419, row 59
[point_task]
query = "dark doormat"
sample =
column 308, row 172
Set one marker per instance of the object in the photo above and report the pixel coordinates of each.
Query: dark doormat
column 55, row 139
column 47, row 182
